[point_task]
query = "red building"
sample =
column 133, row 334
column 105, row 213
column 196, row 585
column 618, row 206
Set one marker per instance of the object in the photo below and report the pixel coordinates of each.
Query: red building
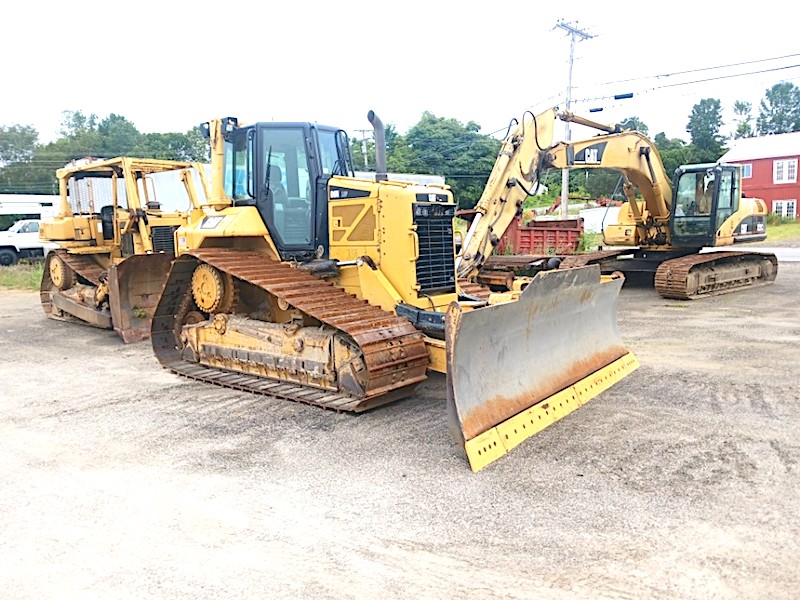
column 769, row 170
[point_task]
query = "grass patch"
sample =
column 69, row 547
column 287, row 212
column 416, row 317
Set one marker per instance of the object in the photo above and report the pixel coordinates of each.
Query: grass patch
column 783, row 230
column 589, row 242
column 22, row 276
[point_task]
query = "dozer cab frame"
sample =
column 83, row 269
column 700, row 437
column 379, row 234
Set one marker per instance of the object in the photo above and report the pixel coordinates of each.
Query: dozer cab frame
column 298, row 280
column 116, row 242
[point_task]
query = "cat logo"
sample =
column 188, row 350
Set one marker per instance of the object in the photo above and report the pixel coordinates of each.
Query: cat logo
column 591, row 155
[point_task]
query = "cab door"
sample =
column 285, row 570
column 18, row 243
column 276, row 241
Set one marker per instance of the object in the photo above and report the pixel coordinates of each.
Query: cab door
column 693, row 222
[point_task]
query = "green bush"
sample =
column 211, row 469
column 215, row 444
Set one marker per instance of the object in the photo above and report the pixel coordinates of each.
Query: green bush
column 589, row 242
column 773, row 219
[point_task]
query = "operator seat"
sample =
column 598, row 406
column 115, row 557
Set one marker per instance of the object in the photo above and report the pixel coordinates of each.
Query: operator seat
column 107, row 220
column 279, row 196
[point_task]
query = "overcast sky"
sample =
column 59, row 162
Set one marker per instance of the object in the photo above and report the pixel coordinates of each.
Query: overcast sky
column 167, row 66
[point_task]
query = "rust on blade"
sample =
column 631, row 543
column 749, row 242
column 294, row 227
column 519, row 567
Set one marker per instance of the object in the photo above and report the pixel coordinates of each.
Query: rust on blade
column 505, row 358
column 500, row 408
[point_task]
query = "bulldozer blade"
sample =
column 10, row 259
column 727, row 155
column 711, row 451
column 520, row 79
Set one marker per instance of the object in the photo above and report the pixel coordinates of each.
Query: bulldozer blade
column 515, row 368
column 135, row 286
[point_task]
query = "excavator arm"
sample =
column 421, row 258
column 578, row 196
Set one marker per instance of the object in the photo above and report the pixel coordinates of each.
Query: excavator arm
column 514, row 177
column 637, row 159
column 529, row 150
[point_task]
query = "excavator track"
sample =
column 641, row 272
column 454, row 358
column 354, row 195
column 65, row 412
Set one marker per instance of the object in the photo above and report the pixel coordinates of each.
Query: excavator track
column 393, row 349
column 473, row 290
column 714, row 273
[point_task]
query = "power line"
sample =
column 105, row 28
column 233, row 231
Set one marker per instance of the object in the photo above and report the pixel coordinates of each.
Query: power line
column 694, row 82
column 698, row 70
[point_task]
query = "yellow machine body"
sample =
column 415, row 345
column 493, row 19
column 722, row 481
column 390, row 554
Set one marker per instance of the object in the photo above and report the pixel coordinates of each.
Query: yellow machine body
column 116, row 241
column 662, row 228
column 354, row 317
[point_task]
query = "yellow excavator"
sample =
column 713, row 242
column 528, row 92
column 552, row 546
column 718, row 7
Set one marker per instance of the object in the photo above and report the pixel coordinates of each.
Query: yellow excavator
column 298, row 280
column 661, row 234
column 116, row 242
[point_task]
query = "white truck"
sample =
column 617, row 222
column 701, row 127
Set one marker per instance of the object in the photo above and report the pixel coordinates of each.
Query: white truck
column 21, row 240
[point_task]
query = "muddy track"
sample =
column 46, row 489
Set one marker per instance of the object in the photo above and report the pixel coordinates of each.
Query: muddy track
column 393, row 349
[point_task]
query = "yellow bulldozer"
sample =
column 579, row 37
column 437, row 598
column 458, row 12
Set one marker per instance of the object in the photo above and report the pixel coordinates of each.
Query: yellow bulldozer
column 116, row 240
column 298, row 280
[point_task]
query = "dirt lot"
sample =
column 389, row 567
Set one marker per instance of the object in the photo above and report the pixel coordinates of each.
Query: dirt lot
column 121, row 480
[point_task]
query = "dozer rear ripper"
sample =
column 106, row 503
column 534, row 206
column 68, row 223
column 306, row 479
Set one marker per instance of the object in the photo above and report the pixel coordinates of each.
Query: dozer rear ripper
column 116, row 242
column 300, row 281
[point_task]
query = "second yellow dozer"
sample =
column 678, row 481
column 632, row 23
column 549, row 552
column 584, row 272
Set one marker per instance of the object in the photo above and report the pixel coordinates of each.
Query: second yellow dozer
column 116, row 240
column 300, row 281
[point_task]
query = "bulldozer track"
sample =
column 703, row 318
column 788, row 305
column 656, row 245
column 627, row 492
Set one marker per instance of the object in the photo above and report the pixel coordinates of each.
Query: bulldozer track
column 393, row 349
column 83, row 265
column 672, row 276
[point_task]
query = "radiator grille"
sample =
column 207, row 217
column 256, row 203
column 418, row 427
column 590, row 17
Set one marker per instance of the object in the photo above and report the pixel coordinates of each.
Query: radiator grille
column 163, row 238
column 436, row 263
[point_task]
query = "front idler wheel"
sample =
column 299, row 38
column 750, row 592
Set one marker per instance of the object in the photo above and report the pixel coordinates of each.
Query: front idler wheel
column 61, row 275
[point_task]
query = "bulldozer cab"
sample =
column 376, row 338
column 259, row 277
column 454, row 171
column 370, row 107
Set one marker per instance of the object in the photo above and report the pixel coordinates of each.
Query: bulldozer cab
column 283, row 170
column 113, row 205
column 704, row 197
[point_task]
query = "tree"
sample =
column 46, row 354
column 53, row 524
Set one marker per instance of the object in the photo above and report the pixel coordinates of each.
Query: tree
column 598, row 183
column 743, row 119
column 189, row 146
column 704, row 126
column 634, row 124
column 17, row 143
column 780, row 109
column 74, row 123
column 118, row 136
column 440, row 146
column 29, row 168
column 674, row 152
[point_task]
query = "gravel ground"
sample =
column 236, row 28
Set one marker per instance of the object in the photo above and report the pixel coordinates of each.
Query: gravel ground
column 121, row 480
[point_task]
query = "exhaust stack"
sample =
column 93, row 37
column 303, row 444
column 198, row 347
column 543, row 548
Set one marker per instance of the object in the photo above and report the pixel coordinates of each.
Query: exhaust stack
column 380, row 146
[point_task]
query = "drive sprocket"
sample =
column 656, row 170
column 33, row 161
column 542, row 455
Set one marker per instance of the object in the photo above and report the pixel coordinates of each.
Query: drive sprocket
column 212, row 289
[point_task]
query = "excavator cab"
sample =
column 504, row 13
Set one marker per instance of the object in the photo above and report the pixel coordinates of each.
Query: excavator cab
column 705, row 197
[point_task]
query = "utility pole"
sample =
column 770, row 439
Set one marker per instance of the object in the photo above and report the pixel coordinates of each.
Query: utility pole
column 364, row 133
column 575, row 35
